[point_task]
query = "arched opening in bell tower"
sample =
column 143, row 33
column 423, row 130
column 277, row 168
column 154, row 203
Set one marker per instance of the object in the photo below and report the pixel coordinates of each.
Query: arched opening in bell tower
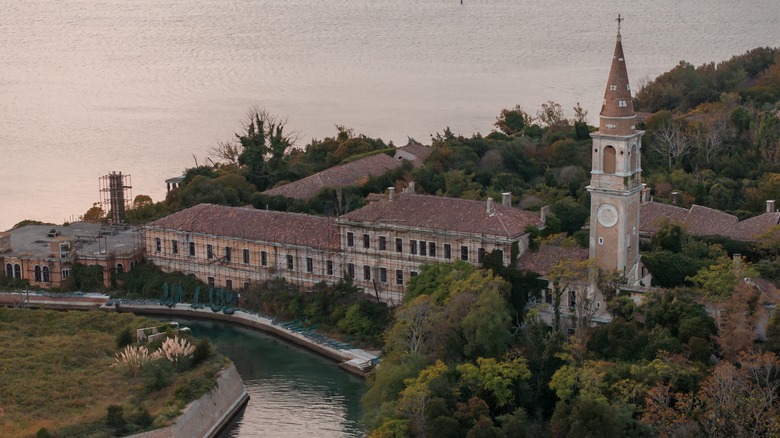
column 609, row 159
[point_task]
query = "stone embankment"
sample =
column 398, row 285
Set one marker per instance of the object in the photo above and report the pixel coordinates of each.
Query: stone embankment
column 206, row 416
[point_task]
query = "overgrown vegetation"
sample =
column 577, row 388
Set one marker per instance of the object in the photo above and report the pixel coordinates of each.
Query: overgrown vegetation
column 341, row 310
column 57, row 380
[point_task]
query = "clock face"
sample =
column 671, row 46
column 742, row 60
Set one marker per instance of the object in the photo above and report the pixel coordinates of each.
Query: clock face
column 607, row 215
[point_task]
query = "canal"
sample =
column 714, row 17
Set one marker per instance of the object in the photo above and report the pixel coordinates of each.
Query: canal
column 293, row 391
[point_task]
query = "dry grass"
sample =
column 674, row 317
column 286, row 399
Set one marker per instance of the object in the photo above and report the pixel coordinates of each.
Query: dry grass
column 55, row 372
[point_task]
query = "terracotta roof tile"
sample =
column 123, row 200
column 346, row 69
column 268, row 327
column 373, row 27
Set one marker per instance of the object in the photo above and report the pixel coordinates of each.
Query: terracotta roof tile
column 450, row 214
column 349, row 174
column 705, row 221
column 653, row 214
column 260, row 225
column 548, row 255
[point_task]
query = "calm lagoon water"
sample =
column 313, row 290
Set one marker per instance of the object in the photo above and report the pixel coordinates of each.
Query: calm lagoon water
column 294, row 392
column 146, row 86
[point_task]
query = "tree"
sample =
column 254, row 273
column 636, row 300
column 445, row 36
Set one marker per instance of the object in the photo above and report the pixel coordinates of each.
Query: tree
column 413, row 400
column 94, row 214
column 551, row 115
column 672, row 142
column 513, row 121
column 263, row 146
column 768, row 136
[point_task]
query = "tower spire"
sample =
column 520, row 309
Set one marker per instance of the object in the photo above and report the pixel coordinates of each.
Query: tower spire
column 617, row 111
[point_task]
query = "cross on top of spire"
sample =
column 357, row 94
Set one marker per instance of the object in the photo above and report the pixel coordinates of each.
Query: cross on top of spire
column 619, row 20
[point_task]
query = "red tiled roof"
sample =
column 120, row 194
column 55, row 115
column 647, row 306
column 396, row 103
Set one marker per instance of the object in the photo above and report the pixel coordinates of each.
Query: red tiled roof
column 547, row 256
column 705, row 221
column 450, row 214
column 653, row 214
column 260, row 225
column 349, row 174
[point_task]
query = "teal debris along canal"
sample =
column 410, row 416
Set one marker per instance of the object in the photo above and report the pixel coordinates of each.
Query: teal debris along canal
column 294, row 392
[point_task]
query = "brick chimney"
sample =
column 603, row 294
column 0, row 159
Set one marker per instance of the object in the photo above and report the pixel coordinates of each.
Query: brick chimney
column 390, row 193
column 489, row 205
column 506, row 199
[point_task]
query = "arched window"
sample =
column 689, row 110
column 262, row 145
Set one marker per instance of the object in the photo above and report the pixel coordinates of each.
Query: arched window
column 634, row 159
column 46, row 276
column 120, row 268
column 37, row 272
column 609, row 160
column 9, row 270
column 18, row 271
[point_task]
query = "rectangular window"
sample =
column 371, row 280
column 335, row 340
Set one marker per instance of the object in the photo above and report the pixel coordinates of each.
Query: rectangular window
column 290, row 264
column 191, row 249
column 423, row 248
column 350, row 238
column 209, row 251
column 412, row 274
column 228, row 253
column 447, row 251
column 366, row 272
column 174, row 246
column 480, row 255
column 399, row 245
column 412, row 247
column 65, row 273
column 65, row 250
column 246, row 285
column 613, row 88
column 464, row 253
column 329, row 267
column 572, row 299
column 366, row 241
column 263, row 258
column 382, row 243
column 432, row 249
column 245, row 256
column 622, row 103
column 399, row 277
column 309, row 265
column 383, row 275
column 157, row 244
column 548, row 298
column 210, row 281
column 351, row 270
column 229, row 284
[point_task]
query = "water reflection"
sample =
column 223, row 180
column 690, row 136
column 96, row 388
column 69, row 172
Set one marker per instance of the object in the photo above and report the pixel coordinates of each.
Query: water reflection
column 293, row 392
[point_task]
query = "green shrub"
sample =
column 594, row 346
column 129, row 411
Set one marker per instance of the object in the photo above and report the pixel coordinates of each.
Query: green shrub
column 203, row 350
column 124, row 338
column 157, row 376
column 115, row 417
column 42, row 433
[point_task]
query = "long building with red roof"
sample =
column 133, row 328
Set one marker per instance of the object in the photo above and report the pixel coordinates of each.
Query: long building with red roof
column 380, row 246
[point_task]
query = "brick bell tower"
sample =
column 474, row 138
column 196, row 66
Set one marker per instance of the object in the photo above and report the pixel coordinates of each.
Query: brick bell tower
column 616, row 180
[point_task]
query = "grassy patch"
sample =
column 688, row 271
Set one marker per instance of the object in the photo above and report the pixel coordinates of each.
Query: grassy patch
column 55, row 373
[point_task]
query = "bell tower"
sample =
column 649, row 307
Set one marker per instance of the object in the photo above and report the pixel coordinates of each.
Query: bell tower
column 616, row 179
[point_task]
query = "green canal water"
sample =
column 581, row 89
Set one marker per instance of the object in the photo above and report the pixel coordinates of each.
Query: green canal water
column 294, row 392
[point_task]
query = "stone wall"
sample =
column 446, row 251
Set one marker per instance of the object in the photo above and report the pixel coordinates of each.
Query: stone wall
column 206, row 416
